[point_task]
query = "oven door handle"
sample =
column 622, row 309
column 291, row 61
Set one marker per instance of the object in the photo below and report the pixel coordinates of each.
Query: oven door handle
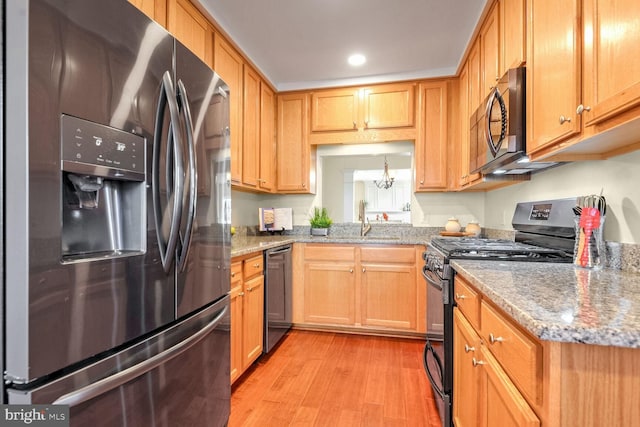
column 428, row 275
column 428, row 349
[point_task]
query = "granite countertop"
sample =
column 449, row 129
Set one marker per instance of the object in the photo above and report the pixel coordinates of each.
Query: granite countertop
column 560, row 302
column 243, row 245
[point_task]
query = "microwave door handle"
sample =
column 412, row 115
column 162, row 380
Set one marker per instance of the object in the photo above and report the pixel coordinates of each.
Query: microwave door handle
column 193, row 176
column 109, row 383
column 494, row 97
column 167, row 98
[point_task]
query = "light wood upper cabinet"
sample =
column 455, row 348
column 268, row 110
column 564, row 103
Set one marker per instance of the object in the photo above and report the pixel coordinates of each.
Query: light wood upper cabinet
column 229, row 65
column 388, row 106
column 334, row 110
column 431, row 144
column 296, row 158
column 267, row 176
column 251, row 128
column 611, row 69
column 193, row 30
column 490, row 52
column 553, row 72
column 512, row 34
column 374, row 107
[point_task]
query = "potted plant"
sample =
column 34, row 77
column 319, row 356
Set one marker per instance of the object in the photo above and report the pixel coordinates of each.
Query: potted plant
column 320, row 222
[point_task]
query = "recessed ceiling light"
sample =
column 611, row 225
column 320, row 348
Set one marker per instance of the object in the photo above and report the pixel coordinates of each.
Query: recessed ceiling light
column 357, row 59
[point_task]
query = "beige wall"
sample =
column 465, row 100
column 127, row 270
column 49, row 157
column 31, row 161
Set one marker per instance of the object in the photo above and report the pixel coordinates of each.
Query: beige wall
column 618, row 177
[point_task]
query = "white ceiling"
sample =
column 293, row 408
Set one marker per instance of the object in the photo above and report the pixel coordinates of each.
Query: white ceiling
column 302, row 44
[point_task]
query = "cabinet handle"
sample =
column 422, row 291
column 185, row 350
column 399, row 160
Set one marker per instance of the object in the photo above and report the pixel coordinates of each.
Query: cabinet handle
column 476, row 362
column 304, row 185
column 366, row 124
column 467, row 348
column 493, row 339
column 564, row 120
column 241, row 294
column 461, row 296
column 256, row 265
column 364, row 269
column 351, row 270
column 233, row 274
column 355, row 125
column 421, row 181
column 581, row 108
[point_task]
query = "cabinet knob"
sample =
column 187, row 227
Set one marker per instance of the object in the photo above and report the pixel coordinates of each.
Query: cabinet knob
column 493, row 339
column 581, row 108
column 366, row 124
column 233, row 275
column 364, row 269
column 355, row 125
column 421, row 181
column 476, row 362
column 304, row 185
column 564, row 120
column 461, row 296
column 256, row 265
column 351, row 270
column 467, row 348
column 241, row 294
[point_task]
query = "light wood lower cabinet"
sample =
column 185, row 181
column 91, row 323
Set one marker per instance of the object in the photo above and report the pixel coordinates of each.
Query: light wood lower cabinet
column 368, row 287
column 504, row 376
column 247, row 312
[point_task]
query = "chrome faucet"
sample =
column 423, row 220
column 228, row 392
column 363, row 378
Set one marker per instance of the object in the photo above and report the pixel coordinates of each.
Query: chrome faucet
column 364, row 227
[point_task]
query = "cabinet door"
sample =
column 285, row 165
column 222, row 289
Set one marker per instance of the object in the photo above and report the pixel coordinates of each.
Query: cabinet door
column 431, row 145
column 189, row 26
column 611, row 69
column 334, row 110
column 294, row 168
column 503, row 404
column 253, row 319
column 251, row 128
column 553, row 72
column 229, row 65
column 267, row 176
column 489, row 52
column 329, row 293
column 512, row 34
column 389, row 295
column 465, row 147
column 388, row 106
column 236, row 305
column 466, row 373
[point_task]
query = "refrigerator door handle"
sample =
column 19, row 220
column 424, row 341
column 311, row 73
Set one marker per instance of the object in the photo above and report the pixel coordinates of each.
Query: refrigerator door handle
column 193, row 177
column 176, row 179
column 106, row 384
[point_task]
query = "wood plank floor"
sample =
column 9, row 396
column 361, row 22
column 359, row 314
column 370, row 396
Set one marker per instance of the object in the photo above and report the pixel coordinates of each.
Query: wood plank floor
column 329, row 379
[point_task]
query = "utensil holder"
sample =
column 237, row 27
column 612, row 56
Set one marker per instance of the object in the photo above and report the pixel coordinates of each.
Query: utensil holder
column 590, row 249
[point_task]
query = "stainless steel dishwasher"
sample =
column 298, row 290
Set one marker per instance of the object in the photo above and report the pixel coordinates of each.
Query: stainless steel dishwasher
column 278, row 307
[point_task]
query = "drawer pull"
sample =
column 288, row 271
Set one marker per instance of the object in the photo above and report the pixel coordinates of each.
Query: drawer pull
column 476, row 362
column 351, row 270
column 493, row 339
column 461, row 296
column 467, row 348
column 241, row 294
column 233, row 274
column 364, row 270
column 256, row 265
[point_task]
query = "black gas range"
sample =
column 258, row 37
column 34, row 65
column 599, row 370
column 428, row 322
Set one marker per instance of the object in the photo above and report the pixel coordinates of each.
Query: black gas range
column 544, row 232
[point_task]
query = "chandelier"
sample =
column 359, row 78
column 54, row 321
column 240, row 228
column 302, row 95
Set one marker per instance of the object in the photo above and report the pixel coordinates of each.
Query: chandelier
column 386, row 181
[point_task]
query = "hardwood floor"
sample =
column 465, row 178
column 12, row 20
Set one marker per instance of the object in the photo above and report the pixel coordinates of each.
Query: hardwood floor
column 329, row 379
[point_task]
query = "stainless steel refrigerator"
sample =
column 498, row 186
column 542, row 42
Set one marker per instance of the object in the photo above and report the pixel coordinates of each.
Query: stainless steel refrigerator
column 117, row 214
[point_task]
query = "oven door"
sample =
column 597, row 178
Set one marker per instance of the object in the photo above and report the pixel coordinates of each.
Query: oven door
column 436, row 356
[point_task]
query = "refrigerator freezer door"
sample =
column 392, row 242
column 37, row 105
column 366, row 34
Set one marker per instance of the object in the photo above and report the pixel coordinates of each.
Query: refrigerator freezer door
column 205, row 276
column 178, row 377
column 102, row 62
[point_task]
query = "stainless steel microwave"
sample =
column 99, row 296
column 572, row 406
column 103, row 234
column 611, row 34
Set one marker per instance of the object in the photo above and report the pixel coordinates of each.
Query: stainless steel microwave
column 498, row 128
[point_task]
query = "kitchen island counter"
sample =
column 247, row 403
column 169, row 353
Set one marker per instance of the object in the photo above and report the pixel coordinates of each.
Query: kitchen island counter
column 560, row 302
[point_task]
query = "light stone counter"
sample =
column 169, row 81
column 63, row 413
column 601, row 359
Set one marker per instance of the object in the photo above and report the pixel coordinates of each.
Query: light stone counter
column 560, row 302
column 244, row 245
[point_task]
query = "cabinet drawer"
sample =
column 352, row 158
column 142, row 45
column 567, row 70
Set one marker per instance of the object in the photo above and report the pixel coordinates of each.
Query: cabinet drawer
column 253, row 266
column 325, row 252
column 395, row 254
column 519, row 354
column 468, row 301
column 236, row 273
